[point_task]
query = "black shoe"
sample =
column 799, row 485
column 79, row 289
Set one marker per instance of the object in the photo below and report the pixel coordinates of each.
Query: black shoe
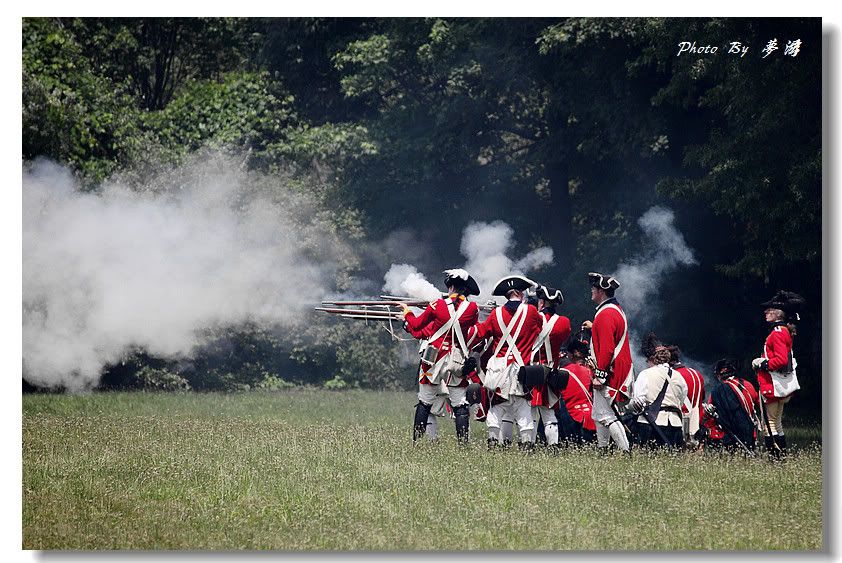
column 493, row 444
column 780, row 441
column 526, row 447
column 773, row 451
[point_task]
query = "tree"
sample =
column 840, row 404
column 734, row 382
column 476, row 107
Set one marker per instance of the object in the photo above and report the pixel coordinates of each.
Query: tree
column 157, row 56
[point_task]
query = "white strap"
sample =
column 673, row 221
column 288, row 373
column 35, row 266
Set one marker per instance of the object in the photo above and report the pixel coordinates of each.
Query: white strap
column 453, row 318
column 504, row 328
column 506, row 338
column 457, row 328
column 585, row 391
column 544, row 339
column 690, row 400
column 512, row 339
column 625, row 330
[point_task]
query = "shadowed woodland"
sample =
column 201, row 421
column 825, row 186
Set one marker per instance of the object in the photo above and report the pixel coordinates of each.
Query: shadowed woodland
column 406, row 129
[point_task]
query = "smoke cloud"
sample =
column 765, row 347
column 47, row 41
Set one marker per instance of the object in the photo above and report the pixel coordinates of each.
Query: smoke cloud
column 404, row 279
column 486, row 247
column 641, row 278
column 203, row 245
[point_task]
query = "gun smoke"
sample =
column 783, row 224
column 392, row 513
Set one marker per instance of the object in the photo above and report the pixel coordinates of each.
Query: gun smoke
column 486, row 247
column 203, row 245
column 404, row 279
column 642, row 277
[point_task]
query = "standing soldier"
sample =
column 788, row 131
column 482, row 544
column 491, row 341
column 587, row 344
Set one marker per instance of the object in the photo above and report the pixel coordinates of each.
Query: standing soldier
column 547, row 351
column 441, row 366
column 662, row 385
column 574, row 410
column 512, row 328
column 611, row 355
column 776, row 375
column 733, row 407
column 439, row 406
column 692, row 407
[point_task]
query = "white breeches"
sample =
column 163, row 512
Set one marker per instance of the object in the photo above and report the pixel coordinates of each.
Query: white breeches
column 550, row 424
column 519, row 411
column 607, row 425
column 775, row 412
column 434, row 395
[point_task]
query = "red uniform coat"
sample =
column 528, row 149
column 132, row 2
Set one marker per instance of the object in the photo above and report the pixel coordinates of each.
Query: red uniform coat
column 708, row 422
column 577, row 400
column 695, row 389
column 778, row 350
column 491, row 329
column 541, row 396
column 745, row 392
column 609, row 328
column 434, row 317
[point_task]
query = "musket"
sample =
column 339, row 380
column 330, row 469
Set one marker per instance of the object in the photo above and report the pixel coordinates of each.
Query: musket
column 728, row 431
column 408, row 300
column 488, row 306
column 368, row 318
column 360, row 312
column 394, row 303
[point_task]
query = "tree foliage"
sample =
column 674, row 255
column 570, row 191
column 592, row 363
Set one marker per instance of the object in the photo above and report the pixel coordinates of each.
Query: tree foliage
column 562, row 127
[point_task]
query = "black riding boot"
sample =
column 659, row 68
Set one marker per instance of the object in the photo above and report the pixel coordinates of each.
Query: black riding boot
column 772, row 450
column 463, row 419
column 780, row 440
column 422, row 411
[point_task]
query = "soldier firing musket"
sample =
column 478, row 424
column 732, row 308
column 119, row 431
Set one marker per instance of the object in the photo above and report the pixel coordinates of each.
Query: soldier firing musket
column 444, row 324
column 389, row 309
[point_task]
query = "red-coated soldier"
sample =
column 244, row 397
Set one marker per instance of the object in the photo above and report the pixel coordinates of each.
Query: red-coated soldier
column 512, row 329
column 441, row 367
column 611, row 355
column 692, row 407
column 439, row 405
column 776, row 368
column 547, row 350
column 730, row 414
column 576, row 425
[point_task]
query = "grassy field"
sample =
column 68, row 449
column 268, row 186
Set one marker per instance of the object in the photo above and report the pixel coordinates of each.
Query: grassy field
column 303, row 470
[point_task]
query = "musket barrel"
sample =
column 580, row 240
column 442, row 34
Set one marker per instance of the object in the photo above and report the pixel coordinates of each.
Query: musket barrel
column 373, row 303
column 406, row 299
column 368, row 318
column 363, row 312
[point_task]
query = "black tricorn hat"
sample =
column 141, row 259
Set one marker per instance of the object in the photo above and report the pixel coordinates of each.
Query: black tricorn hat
column 460, row 279
column 787, row 301
column 726, row 367
column 532, row 296
column 576, row 345
column 509, row 283
column 550, row 295
column 602, row 281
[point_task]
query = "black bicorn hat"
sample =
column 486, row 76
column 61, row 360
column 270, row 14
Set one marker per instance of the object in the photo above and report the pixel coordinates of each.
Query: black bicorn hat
column 520, row 283
column 461, row 279
column 602, row 281
column 787, row 301
column 550, row 295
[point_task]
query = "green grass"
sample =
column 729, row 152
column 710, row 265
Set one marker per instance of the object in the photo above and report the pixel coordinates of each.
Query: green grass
column 304, row 470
